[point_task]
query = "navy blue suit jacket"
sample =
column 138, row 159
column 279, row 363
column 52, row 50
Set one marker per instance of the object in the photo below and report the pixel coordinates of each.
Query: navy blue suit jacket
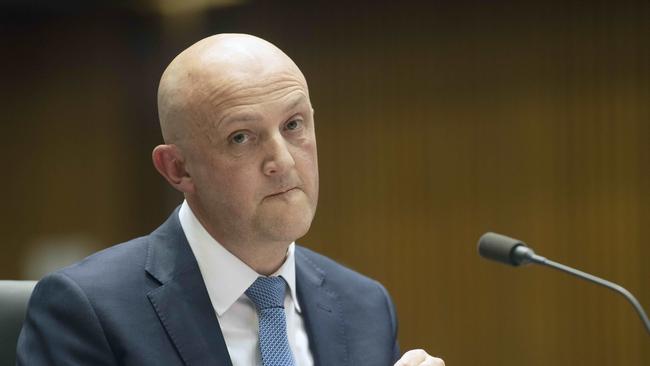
column 144, row 302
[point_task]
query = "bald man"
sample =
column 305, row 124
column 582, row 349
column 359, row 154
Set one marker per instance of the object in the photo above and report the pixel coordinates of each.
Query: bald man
column 240, row 145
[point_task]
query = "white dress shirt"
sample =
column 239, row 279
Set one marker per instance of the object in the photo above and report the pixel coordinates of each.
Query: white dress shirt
column 226, row 278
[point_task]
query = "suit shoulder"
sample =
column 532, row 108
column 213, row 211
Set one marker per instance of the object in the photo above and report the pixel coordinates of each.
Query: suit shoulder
column 112, row 264
column 335, row 271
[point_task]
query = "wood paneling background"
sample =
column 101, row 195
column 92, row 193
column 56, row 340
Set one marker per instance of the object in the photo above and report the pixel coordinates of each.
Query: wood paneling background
column 436, row 121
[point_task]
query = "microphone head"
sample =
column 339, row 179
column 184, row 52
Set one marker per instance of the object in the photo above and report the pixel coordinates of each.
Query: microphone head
column 500, row 248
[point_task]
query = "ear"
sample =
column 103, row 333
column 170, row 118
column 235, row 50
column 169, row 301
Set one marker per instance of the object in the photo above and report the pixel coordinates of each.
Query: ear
column 170, row 163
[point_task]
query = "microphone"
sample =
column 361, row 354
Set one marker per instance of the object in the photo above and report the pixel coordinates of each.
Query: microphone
column 515, row 252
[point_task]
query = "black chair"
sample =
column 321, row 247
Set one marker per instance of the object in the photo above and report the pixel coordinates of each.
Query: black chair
column 13, row 303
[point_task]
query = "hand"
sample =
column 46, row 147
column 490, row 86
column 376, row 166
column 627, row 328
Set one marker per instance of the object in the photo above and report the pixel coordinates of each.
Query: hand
column 418, row 357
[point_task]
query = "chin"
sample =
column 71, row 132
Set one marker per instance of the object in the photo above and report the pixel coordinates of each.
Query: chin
column 289, row 228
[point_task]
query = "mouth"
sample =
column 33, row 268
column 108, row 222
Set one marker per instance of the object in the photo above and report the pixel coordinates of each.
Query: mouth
column 283, row 192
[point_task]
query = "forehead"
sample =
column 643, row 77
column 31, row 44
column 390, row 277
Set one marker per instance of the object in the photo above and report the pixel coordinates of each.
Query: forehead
column 238, row 93
column 238, row 87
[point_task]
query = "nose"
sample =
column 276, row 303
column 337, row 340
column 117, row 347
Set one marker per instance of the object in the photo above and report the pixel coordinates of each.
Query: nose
column 278, row 157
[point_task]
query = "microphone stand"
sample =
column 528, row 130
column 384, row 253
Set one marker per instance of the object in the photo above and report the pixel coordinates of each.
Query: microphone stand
column 524, row 254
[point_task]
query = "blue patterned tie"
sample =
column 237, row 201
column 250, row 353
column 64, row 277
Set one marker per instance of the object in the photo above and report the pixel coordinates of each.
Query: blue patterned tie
column 267, row 293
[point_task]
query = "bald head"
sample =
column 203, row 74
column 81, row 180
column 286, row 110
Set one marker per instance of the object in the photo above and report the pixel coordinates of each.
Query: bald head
column 210, row 74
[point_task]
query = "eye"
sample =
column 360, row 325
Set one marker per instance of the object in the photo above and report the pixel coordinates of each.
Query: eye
column 293, row 125
column 239, row 138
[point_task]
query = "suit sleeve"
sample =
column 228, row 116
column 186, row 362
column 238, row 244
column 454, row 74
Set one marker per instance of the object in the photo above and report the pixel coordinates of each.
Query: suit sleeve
column 393, row 321
column 61, row 327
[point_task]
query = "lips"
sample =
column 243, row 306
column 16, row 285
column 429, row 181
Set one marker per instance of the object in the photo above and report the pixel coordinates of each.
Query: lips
column 281, row 192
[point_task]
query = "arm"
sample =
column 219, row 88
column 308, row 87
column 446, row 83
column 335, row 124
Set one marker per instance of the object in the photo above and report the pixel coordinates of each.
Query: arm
column 61, row 327
column 416, row 357
column 393, row 321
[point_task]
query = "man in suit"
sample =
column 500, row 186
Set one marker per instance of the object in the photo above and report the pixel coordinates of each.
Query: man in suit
column 240, row 145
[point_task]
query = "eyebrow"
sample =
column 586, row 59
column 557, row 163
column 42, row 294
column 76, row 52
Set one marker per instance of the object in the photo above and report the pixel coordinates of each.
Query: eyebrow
column 241, row 117
column 250, row 117
column 301, row 98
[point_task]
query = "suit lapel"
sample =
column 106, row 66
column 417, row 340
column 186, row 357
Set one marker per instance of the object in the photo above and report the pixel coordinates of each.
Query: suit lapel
column 322, row 313
column 182, row 302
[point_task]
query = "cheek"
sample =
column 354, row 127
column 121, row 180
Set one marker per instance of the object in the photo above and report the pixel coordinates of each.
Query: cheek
column 313, row 159
column 228, row 184
column 237, row 184
column 307, row 163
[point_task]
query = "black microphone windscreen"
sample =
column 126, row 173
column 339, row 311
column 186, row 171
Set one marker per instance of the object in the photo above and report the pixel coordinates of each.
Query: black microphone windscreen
column 498, row 247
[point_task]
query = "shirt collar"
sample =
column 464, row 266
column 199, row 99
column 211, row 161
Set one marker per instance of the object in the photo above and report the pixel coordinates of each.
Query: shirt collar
column 227, row 277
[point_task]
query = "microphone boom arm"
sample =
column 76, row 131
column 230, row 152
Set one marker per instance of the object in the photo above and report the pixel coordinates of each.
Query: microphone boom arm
column 522, row 254
column 597, row 280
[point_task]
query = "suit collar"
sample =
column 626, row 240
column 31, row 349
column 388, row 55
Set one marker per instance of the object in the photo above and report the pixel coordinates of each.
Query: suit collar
column 322, row 313
column 227, row 277
column 181, row 301
column 168, row 254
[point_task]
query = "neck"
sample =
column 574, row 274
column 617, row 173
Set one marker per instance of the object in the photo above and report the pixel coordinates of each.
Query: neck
column 264, row 257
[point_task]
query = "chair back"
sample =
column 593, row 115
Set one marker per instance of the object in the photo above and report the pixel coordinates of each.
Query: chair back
column 14, row 296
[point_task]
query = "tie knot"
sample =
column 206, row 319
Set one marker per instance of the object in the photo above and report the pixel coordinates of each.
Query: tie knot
column 267, row 292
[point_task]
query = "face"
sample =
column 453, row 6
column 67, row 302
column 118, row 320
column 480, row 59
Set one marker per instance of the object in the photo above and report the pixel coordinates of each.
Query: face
column 253, row 160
